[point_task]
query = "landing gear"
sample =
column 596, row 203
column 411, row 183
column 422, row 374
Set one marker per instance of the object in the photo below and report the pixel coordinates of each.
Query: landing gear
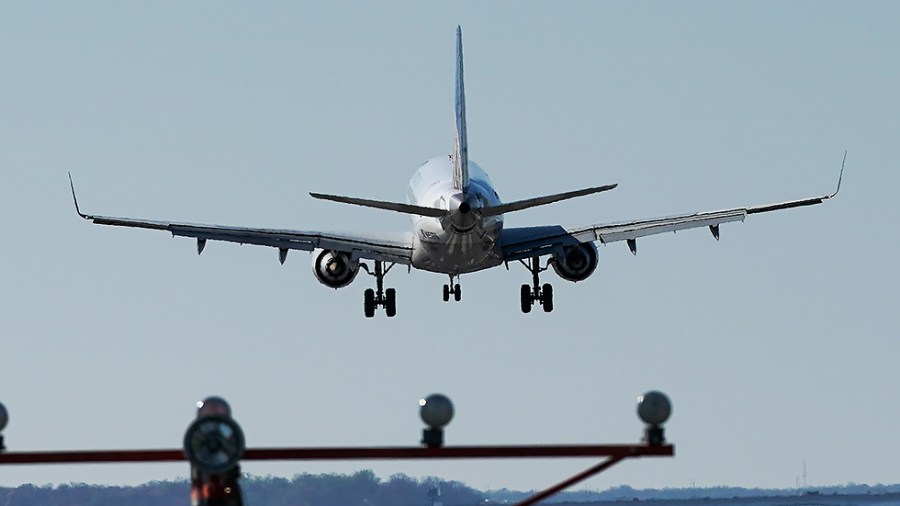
column 379, row 297
column 527, row 299
column 547, row 297
column 452, row 289
column 535, row 293
column 390, row 302
column 369, row 302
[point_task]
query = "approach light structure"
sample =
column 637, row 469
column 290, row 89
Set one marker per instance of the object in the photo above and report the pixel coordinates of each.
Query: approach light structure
column 214, row 445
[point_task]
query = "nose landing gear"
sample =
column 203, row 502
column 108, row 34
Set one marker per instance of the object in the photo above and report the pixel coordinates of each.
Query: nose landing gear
column 535, row 293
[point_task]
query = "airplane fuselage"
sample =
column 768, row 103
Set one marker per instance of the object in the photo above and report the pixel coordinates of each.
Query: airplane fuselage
column 464, row 241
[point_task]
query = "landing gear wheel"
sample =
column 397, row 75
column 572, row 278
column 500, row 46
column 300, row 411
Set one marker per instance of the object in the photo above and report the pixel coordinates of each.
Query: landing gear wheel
column 379, row 296
column 526, row 298
column 390, row 302
column 547, row 297
column 457, row 294
column 369, row 302
column 535, row 292
column 446, row 293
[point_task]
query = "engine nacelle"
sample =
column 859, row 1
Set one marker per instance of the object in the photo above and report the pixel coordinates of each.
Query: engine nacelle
column 334, row 269
column 577, row 262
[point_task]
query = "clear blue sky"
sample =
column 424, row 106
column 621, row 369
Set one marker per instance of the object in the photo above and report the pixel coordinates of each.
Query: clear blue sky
column 777, row 344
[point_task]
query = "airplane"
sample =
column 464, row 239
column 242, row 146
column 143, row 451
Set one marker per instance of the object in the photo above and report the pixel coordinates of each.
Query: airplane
column 457, row 228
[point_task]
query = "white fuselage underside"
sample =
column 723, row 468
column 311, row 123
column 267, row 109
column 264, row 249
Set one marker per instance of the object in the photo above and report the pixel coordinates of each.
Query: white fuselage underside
column 438, row 244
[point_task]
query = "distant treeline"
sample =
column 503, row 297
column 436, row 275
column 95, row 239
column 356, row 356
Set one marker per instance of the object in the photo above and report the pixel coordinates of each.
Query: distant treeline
column 360, row 489
column 364, row 488
column 626, row 493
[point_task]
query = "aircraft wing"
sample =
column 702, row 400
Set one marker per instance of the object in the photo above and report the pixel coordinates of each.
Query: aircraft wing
column 395, row 248
column 521, row 243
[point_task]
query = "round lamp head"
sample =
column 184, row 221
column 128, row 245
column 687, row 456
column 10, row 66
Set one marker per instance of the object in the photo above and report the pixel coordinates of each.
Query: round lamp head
column 436, row 410
column 654, row 407
column 214, row 443
column 4, row 417
column 213, row 405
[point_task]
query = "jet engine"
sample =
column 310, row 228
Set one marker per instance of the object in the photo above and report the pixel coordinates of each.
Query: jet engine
column 334, row 269
column 576, row 262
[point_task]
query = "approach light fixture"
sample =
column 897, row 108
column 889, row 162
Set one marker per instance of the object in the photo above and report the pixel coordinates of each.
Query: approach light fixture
column 214, row 443
column 213, row 405
column 654, row 408
column 436, row 411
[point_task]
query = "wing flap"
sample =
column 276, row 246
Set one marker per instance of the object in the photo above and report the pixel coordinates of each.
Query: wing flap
column 395, row 248
column 643, row 228
column 519, row 243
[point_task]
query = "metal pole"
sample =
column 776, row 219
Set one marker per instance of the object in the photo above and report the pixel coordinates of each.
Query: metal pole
column 571, row 481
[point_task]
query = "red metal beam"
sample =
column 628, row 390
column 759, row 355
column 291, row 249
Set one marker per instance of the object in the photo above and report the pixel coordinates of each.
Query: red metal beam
column 372, row 453
column 559, row 487
column 87, row 457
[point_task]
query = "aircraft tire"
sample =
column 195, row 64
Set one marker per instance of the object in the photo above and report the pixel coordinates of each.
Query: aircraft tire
column 457, row 294
column 369, row 302
column 526, row 299
column 390, row 302
column 547, row 297
column 446, row 293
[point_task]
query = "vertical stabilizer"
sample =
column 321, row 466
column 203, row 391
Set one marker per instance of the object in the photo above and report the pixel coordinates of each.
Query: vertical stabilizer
column 460, row 146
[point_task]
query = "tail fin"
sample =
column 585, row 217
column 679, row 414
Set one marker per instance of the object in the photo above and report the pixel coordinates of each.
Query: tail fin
column 460, row 147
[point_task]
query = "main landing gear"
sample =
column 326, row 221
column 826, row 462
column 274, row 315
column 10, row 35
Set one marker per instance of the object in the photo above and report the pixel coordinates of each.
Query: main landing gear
column 379, row 297
column 536, row 294
column 452, row 289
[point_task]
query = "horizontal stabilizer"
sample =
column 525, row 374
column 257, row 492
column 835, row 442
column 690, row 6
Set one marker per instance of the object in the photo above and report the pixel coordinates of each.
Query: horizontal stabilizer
column 540, row 201
column 378, row 204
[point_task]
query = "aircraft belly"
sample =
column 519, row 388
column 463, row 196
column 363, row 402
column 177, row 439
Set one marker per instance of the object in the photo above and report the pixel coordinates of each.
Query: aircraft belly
column 455, row 253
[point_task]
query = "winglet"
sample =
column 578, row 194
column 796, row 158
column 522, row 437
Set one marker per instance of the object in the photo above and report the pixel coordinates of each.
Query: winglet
column 75, row 199
column 840, row 177
column 801, row 202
